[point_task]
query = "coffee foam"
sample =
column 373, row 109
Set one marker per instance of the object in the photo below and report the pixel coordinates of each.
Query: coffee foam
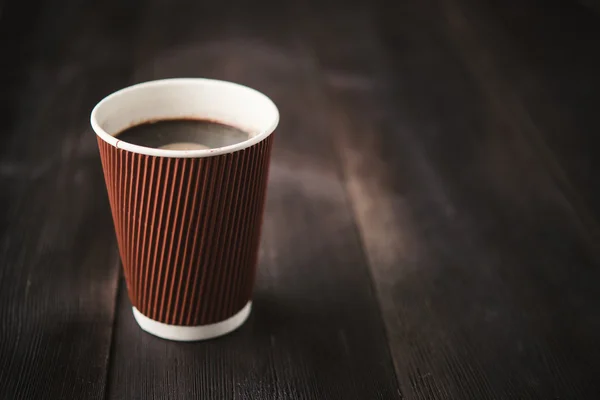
column 184, row 146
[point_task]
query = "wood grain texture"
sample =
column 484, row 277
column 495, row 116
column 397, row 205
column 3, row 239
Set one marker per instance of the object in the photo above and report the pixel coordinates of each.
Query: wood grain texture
column 315, row 330
column 58, row 265
column 483, row 260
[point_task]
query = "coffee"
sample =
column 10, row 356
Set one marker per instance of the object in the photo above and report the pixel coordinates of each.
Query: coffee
column 183, row 134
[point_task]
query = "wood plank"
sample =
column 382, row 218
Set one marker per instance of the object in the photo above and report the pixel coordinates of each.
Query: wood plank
column 315, row 331
column 484, row 271
column 58, row 265
column 554, row 86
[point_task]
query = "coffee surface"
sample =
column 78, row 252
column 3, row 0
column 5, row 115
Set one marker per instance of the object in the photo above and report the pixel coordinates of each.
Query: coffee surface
column 183, row 134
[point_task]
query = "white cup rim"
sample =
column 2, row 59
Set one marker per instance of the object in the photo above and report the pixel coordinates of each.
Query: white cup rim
column 243, row 102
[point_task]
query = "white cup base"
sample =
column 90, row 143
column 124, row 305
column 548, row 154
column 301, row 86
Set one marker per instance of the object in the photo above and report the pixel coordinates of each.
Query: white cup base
column 192, row 333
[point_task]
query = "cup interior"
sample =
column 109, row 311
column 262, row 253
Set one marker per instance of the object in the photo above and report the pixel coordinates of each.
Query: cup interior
column 224, row 102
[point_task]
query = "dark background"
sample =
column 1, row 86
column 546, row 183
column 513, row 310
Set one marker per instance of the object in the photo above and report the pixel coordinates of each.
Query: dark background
column 431, row 230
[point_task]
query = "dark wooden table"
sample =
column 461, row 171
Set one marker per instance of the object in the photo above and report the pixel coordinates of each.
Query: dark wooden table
column 431, row 229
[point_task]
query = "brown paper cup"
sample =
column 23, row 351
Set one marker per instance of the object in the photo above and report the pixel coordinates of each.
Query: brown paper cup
column 187, row 221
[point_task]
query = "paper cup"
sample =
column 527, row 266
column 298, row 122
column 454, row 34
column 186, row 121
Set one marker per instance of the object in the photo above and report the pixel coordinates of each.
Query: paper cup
column 187, row 221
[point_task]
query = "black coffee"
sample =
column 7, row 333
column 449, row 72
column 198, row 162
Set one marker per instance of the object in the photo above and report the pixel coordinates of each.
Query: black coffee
column 183, row 134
